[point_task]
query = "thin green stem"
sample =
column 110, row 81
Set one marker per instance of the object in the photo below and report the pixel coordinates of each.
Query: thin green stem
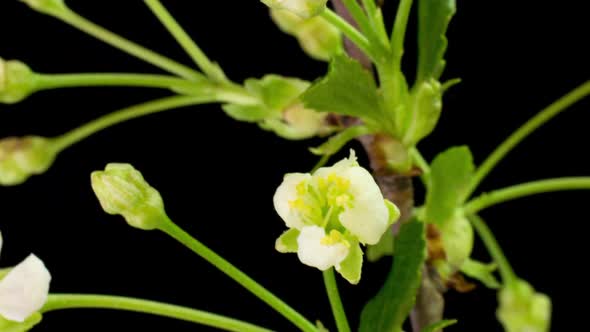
column 525, row 189
column 81, row 23
column 486, row 235
column 87, row 301
column 56, row 81
column 422, row 164
column 537, row 121
column 185, row 41
column 240, row 277
column 80, row 133
column 358, row 14
column 399, row 30
column 350, row 32
column 321, row 163
column 335, row 301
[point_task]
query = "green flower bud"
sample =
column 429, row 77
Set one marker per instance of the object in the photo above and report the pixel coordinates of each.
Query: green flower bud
column 11, row 326
column 22, row 157
column 17, row 81
column 302, row 8
column 521, row 309
column 298, row 122
column 50, row 7
column 318, row 38
column 121, row 189
column 421, row 115
column 457, row 237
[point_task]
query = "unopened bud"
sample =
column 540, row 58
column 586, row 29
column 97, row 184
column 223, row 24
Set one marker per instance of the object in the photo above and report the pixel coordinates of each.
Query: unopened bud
column 303, row 8
column 121, row 189
column 22, row 157
column 298, row 122
column 318, row 38
column 17, row 81
column 50, row 7
column 522, row 309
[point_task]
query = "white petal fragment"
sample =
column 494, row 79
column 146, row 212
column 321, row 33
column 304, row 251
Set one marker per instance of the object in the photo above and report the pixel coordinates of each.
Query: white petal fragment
column 286, row 193
column 312, row 252
column 24, row 290
column 368, row 219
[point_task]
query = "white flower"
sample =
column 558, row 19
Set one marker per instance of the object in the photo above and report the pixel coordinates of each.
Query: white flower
column 24, row 289
column 303, row 8
column 330, row 213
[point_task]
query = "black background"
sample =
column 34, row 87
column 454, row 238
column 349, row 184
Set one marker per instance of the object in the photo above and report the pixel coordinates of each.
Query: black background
column 217, row 176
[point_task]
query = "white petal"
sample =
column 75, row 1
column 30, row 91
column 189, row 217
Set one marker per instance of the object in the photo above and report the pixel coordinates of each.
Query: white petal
column 313, row 253
column 24, row 290
column 369, row 216
column 286, row 193
column 338, row 167
column 0, row 242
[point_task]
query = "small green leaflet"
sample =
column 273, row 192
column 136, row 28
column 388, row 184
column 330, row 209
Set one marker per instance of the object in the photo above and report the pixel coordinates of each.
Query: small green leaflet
column 348, row 89
column 440, row 325
column 434, row 17
column 450, row 175
column 388, row 310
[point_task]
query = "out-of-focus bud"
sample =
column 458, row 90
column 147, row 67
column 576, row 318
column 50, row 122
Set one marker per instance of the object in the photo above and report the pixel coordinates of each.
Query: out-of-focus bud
column 303, row 8
column 522, row 309
column 121, row 189
column 17, row 81
column 298, row 122
column 50, row 7
column 22, row 157
column 318, row 38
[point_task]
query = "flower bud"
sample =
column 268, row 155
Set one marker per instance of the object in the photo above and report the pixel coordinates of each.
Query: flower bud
column 121, row 189
column 50, row 7
column 22, row 157
column 17, row 81
column 302, row 8
column 318, row 38
column 522, row 309
column 298, row 122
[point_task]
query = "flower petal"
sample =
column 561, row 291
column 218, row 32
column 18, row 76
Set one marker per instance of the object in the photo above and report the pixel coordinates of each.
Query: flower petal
column 368, row 219
column 286, row 193
column 312, row 252
column 24, row 290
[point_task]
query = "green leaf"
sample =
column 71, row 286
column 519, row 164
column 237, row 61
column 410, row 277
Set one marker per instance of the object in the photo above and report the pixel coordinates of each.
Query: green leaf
column 287, row 242
column 388, row 310
column 440, row 325
column 351, row 267
column 450, row 175
column 482, row 272
column 336, row 142
column 434, row 17
column 348, row 89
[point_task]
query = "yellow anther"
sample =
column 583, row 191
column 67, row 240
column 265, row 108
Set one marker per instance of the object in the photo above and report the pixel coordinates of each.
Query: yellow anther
column 333, row 238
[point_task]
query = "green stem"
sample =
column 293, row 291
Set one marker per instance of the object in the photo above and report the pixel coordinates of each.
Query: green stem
column 55, row 81
column 83, row 301
column 522, row 132
column 240, row 277
column 525, row 189
column 349, row 31
column 486, row 235
column 365, row 22
column 422, row 164
column 185, row 41
column 335, row 301
column 80, row 133
column 399, row 30
column 81, row 23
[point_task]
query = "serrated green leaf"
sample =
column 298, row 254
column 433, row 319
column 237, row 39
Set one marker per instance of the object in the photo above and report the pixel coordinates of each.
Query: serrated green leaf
column 388, row 310
column 482, row 272
column 421, row 116
column 440, row 325
column 336, row 142
column 348, row 89
column 434, row 17
column 450, row 175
